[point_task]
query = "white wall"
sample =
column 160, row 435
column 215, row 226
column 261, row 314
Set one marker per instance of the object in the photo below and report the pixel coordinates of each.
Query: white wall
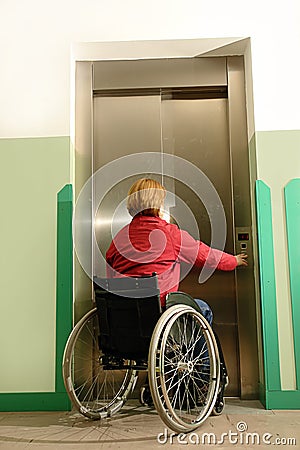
column 36, row 38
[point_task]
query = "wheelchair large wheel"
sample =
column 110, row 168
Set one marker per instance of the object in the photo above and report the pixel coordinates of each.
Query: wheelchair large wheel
column 184, row 368
column 97, row 386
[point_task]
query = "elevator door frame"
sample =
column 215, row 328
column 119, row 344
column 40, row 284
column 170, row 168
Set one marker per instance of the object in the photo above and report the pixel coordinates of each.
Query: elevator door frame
column 241, row 199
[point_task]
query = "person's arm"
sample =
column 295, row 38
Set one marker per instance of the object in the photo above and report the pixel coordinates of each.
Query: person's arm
column 197, row 253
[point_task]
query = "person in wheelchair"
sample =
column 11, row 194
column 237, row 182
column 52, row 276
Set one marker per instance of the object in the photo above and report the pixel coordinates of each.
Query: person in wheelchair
column 155, row 329
column 149, row 244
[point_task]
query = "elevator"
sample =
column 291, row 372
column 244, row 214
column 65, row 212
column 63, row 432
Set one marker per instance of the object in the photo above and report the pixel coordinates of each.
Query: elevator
column 194, row 109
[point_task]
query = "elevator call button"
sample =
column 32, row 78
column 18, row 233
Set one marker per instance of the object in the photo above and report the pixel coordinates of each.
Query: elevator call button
column 243, row 243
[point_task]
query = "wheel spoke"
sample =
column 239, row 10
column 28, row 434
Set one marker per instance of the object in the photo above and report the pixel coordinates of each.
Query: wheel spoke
column 93, row 389
column 186, row 376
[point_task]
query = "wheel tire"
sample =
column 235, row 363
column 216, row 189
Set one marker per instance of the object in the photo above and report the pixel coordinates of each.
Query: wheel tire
column 95, row 391
column 176, row 369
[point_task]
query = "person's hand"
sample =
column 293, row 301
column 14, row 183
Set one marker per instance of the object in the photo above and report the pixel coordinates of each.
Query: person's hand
column 241, row 259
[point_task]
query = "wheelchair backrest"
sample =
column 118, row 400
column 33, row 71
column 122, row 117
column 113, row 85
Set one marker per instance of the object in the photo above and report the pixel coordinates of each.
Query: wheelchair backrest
column 128, row 310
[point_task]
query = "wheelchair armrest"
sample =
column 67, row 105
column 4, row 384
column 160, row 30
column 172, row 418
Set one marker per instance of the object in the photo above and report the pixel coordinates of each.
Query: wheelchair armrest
column 178, row 297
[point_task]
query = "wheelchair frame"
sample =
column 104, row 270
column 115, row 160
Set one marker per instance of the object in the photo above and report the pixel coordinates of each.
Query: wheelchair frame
column 178, row 350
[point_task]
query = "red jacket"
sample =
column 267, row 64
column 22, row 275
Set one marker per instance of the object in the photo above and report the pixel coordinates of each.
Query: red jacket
column 150, row 244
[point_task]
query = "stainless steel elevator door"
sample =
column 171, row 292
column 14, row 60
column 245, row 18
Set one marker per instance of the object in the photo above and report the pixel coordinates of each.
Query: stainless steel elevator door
column 197, row 130
column 123, row 125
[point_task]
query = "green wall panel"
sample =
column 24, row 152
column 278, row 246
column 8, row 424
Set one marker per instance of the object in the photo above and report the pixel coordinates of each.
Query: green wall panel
column 64, row 278
column 34, row 401
column 58, row 400
column 278, row 161
column 268, row 287
column 292, row 205
column 32, row 171
column 283, row 400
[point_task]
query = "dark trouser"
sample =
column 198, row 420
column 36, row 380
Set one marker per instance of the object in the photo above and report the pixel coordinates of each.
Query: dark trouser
column 208, row 315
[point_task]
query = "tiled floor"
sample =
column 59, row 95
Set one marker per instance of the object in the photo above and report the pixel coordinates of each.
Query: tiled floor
column 243, row 424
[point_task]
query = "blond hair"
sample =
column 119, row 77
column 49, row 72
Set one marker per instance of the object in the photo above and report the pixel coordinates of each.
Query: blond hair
column 145, row 197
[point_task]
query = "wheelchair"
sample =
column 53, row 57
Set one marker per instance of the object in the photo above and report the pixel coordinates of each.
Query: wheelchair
column 127, row 332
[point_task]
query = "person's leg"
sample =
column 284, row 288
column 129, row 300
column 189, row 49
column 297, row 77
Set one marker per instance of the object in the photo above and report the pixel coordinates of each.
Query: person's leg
column 201, row 346
column 208, row 315
column 201, row 374
column 205, row 310
column 224, row 373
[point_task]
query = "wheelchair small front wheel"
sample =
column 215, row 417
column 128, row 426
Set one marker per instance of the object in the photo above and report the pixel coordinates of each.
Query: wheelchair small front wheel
column 145, row 396
column 218, row 408
column 96, row 387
